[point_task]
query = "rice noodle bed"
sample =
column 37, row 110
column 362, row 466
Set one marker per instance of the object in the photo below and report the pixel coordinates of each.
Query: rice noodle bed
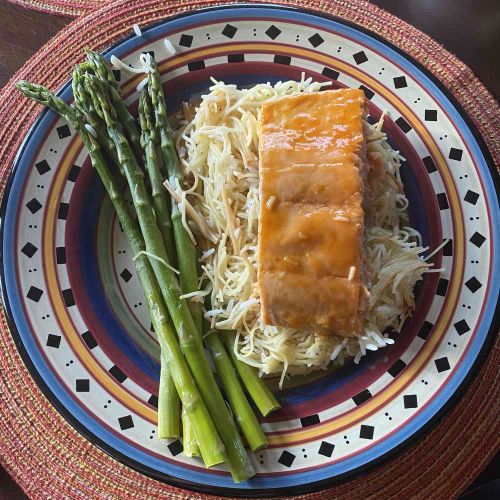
column 218, row 144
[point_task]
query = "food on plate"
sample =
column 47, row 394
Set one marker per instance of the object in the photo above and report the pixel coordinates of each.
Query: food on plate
column 293, row 207
column 312, row 170
column 219, row 140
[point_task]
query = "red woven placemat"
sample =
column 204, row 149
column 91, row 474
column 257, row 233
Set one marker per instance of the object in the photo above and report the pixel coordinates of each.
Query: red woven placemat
column 48, row 458
column 69, row 8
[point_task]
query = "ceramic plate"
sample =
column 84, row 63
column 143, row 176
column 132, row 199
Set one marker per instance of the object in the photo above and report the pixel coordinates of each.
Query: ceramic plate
column 75, row 304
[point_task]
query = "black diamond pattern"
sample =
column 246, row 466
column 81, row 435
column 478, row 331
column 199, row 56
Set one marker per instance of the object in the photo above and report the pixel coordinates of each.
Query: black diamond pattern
column 73, row 173
column 360, row 57
column 448, row 249
column 63, row 131
column 315, row 40
column 126, row 422
column 442, row 364
column 29, row 250
column 403, row 124
column 236, row 58
column 63, row 211
column 442, row 201
column 126, row 275
column 273, row 32
column 69, row 300
column 396, row 368
column 53, row 340
column 330, row 73
column 33, row 205
column 42, row 166
column 82, row 385
column 196, row 65
column 477, row 239
column 400, row 82
column 442, row 287
column 229, row 31
column 286, row 458
column 186, row 40
column 425, row 329
column 34, row 294
column 366, row 431
column 361, row 397
column 473, row 284
column 410, row 401
column 429, row 164
column 282, row 59
column 118, row 374
column 455, row 154
column 175, row 448
column 61, row 255
column 153, row 401
column 326, row 449
column 462, row 327
column 471, row 197
column 89, row 339
column 430, row 115
column 310, row 420
column 368, row 93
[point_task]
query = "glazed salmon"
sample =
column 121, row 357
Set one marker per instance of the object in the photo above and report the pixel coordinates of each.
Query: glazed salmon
column 312, row 173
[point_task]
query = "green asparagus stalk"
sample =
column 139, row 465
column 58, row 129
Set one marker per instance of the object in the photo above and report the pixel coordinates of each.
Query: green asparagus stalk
column 242, row 410
column 168, row 405
column 211, row 448
column 189, row 338
column 102, row 70
column 186, row 252
column 168, row 400
column 256, row 387
column 149, row 142
column 189, row 442
column 86, row 108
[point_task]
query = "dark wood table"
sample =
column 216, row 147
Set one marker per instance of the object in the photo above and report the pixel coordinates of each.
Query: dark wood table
column 468, row 28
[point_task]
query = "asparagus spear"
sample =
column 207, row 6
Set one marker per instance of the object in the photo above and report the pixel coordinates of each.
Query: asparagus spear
column 86, row 108
column 102, row 70
column 189, row 338
column 211, row 448
column 242, row 410
column 149, row 141
column 256, row 387
column 189, row 442
column 168, row 404
column 186, row 252
column 168, row 400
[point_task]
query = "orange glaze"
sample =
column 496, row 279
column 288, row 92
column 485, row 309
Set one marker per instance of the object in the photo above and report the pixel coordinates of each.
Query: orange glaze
column 311, row 216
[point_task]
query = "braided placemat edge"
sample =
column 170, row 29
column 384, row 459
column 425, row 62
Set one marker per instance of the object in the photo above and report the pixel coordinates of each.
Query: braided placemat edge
column 67, row 8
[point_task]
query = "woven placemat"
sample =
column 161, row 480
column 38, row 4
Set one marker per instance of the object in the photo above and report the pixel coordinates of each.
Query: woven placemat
column 68, row 8
column 49, row 459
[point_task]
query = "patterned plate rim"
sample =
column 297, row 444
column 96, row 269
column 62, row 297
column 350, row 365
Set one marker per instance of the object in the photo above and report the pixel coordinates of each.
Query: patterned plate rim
column 274, row 492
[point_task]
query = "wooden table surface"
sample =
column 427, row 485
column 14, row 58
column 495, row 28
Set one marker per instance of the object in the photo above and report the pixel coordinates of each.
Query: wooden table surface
column 468, row 28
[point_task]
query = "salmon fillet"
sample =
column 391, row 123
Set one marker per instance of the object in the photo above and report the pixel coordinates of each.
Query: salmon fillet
column 312, row 173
